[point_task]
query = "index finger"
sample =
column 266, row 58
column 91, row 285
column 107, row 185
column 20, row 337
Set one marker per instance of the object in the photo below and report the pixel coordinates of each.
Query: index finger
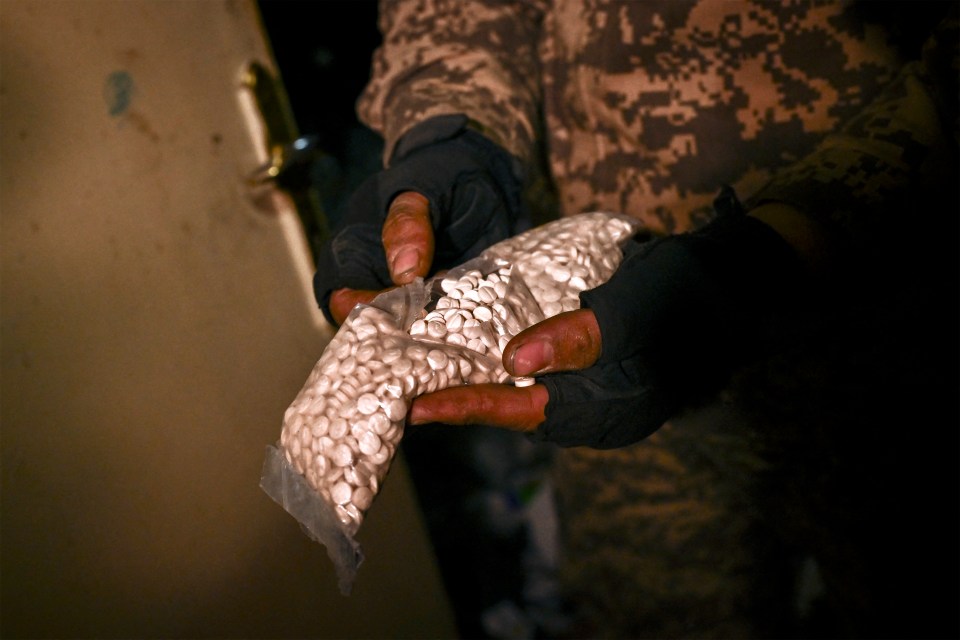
column 494, row 405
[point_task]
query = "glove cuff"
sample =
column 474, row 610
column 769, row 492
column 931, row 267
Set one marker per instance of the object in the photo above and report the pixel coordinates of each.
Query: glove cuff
column 696, row 305
column 429, row 132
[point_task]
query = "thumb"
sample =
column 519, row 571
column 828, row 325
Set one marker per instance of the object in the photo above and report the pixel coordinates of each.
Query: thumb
column 408, row 237
column 564, row 342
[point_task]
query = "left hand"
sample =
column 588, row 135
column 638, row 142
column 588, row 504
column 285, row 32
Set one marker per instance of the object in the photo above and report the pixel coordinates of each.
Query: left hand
column 668, row 328
column 566, row 342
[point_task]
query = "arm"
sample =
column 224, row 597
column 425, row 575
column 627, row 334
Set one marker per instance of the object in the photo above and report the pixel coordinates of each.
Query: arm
column 444, row 57
column 738, row 279
column 454, row 93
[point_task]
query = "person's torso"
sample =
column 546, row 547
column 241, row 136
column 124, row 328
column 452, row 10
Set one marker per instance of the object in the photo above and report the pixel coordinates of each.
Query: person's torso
column 651, row 106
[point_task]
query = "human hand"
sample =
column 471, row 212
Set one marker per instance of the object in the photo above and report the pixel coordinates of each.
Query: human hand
column 448, row 194
column 408, row 244
column 578, row 399
column 668, row 328
column 564, row 342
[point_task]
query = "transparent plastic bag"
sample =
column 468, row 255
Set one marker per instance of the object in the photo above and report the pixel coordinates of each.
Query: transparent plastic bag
column 341, row 432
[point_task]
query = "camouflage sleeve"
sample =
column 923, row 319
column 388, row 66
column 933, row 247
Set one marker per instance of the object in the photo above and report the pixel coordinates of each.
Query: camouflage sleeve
column 439, row 57
column 904, row 141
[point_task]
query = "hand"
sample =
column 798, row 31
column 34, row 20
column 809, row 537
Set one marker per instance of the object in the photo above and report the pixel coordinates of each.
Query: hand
column 408, row 245
column 448, row 194
column 565, row 342
column 579, row 399
column 668, row 328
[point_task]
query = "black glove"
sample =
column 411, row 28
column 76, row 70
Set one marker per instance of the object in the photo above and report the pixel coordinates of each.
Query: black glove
column 475, row 201
column 676, row 318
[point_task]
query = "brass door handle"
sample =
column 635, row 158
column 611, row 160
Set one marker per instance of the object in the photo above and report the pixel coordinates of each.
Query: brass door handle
column 291, row 156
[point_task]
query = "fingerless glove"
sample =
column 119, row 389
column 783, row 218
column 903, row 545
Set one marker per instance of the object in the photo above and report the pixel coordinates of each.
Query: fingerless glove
column 474, row 192
column 677, row 317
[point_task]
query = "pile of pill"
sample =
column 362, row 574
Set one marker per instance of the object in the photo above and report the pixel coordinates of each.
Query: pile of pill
column 479, row 310
column 559, row 260
column 343, row 428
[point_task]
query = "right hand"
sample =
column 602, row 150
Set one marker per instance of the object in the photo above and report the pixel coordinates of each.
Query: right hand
column 408, row 243
column 448, row 194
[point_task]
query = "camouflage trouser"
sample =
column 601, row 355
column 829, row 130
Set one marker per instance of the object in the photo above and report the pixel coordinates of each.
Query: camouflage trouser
column 705, row 528
column 661, row 539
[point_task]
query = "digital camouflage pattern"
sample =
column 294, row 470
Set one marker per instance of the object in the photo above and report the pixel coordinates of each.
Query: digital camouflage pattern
column 647, row 108
column 642, row 107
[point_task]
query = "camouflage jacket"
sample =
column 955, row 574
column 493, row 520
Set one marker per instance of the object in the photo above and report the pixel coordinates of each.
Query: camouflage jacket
column 648, row 107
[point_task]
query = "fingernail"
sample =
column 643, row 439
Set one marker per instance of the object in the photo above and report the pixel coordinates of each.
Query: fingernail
column 532, row 357
column 405, row 262
column 416, row 415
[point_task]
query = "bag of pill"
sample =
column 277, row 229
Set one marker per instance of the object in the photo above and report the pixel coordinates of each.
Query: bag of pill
column 342, row 430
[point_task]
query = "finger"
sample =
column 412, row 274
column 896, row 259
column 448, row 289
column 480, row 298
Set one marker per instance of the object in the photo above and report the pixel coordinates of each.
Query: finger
column 342, row 302
column 408, row 237
column 495, row 405
column 564, row 342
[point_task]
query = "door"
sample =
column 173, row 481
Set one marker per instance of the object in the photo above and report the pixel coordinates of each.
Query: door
column 156, row 322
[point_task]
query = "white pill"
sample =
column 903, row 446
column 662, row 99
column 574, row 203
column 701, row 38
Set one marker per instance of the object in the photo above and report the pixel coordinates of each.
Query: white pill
column 471, row 328
column 348, row 365
column 549, row 294
column 369, row 443
column 389, row 356
column 348, row 409
column 338, row 428
column 418, row 328
column 559, row 273
column 320, row 464
column 381, row 456
column 341, row 493
column 342, row 350
column 355, row 475
column 401, row 367
column 476, row 344
column 365, row 332
column 551, row 309
column 482, row 314
column 342, row 455
column 487, row 295
column 379, row 423
column 436, row 359
column 421, row 368
column 362, row 498
column 416, row 352
column 330, row 366
column 436, row 329
column 451, row 370
column 319, row 426
column 395, row 409
column 409, row 383
column 455, row 323
column 457, row 339
column 524, row 381
column 367, row 404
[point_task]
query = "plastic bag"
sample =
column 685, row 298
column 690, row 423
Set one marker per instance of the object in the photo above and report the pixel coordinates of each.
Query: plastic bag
column 342, row 430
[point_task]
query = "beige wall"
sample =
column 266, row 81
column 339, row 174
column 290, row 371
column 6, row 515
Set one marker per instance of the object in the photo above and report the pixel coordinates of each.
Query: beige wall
column 156, row 322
